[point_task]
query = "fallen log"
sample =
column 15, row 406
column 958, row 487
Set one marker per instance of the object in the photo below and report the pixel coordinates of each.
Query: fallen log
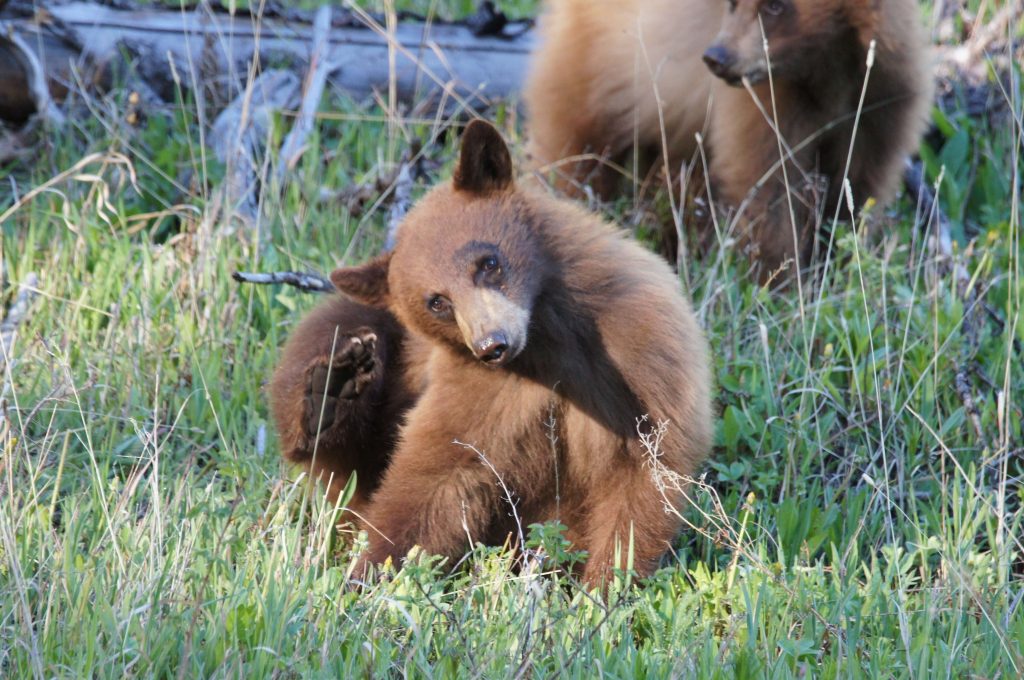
column 25, row 81
column 450, row 64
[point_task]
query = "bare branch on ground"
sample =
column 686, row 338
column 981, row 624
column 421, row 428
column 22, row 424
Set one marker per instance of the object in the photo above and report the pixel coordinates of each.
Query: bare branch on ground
column 309, row 282
column 320, row 67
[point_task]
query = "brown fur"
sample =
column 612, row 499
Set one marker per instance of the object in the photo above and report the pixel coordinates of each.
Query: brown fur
column 597, row 334
column 603, row 66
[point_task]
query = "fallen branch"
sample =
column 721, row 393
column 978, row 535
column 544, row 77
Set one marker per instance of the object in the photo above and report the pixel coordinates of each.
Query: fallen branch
column 304, row 281
column 313, row 91
column 239, row 134
column 25, row 92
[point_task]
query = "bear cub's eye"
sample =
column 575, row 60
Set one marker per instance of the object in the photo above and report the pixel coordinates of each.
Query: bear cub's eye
column 439, row 304
column 489, row 264
column 488, row 271
column 774, row 7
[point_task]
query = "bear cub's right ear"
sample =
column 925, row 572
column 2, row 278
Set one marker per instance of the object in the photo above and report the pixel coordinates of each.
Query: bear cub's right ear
column 485, row 164
column 366, row 283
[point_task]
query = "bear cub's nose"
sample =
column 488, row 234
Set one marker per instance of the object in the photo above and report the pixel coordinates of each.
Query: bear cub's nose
column 491, row 349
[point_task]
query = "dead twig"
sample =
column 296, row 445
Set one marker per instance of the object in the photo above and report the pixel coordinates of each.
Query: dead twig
column 383, row 186
column 1000, row 322
column 986, row 34
column 308, row 282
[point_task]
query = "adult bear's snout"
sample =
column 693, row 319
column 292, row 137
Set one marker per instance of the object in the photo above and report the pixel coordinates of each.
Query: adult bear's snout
column 720, row 60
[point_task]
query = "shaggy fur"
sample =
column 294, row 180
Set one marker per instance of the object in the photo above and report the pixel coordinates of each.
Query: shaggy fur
column 604, row 66
column 547, row 335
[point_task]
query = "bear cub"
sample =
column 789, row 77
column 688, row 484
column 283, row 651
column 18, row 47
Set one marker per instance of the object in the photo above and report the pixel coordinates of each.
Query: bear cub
column 511, row 346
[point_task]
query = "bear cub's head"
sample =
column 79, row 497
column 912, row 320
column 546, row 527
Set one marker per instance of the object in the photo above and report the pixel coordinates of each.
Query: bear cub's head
column 469, row 261
column 800, row 35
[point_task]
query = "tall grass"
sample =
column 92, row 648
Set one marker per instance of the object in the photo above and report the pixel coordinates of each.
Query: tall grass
column 862, row 514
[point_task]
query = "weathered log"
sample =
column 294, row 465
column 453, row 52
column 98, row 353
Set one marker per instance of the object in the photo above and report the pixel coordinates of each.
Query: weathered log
column 25, row 82
column 16, row 103
column 412, row 61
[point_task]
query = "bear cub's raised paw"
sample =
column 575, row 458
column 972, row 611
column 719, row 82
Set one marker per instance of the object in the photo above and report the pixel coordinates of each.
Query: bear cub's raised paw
column 333, row 382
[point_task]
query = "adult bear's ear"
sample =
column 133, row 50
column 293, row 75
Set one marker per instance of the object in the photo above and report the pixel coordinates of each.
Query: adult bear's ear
column 366, row 283
column 485, row 164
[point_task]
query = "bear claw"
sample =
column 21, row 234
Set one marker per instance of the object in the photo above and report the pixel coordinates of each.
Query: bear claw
column 333, row 382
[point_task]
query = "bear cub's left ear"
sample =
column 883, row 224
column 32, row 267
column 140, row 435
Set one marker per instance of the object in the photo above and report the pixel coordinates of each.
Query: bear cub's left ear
column 485, row 164
column 366, row 283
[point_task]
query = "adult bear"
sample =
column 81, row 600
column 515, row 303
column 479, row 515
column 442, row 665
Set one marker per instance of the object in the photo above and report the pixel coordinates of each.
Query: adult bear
column 611, row 76
column 544, row 348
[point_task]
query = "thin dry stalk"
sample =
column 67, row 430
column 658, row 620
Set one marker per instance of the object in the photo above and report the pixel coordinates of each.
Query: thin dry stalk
column 509, row 494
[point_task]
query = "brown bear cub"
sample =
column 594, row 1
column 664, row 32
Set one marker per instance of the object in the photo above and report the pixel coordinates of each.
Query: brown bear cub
column 611, row 76
column 539, row 344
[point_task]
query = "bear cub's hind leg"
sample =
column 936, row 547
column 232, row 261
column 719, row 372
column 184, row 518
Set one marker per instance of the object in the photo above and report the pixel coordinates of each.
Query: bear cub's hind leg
column 333, row 382
column 339, row 394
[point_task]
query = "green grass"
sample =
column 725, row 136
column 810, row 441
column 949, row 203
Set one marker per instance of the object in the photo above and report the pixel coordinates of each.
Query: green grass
column 855, row 523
